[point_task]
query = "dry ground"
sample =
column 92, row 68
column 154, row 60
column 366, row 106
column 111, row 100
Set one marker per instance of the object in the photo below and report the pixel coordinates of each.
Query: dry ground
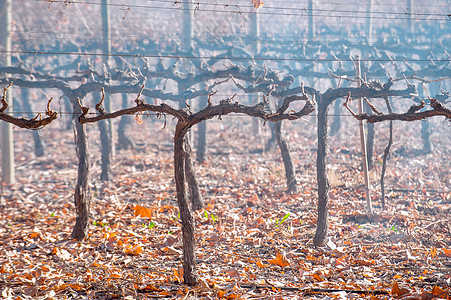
column 246, row 249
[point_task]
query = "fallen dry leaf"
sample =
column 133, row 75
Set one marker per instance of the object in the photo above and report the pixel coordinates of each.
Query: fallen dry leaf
column 399, row 291
column 280, row 260
column 141, row 211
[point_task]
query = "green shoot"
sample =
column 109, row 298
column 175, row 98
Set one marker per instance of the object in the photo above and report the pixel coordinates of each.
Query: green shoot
column 280, row 222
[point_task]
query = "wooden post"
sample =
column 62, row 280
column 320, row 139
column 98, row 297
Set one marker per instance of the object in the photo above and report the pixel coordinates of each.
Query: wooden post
column 106, row 33
column 39, row 145
column 187, row 44
column 369, row 22
column 311, row 22
column 188, row 29
column 322, row 224
column 409, row 20
column 106, row 49
column 7, row 145
column 202, row 132
column 255, row 35
column 363, row 143
column 255, row 31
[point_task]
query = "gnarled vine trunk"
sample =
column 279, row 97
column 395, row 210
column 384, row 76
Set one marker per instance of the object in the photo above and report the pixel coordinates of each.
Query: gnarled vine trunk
column 193, row 185
column 82, row 196
column 292, row 185
column 187, row 220
column 190, row 175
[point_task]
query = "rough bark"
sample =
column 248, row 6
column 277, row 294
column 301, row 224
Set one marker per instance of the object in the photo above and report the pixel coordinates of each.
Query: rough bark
column 292, row 186
column 193, row 186
column 189, row 259
column 322, row 180
column 82, row 196
column 190, row 175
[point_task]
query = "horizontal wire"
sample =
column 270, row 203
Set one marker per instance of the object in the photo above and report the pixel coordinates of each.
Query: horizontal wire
column 197, row 10
column 246, row 39
column 264, row 43
column 266, row 35
column 326, row 60
column 347, row 3
column 250, row 40
column 265, row 7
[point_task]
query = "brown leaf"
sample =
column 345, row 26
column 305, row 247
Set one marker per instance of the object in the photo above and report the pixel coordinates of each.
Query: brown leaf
column 141, row 211
column 115, row 275
column 178, row 273
column 172, row 250
column 399, row 291
column 280, row 260
column 257, row 3
column 433, row 252
column 139, row 119
column 232, row 272
column 31, row 291
column 133, row 249
column 61, row 253
column 438, row 292
column 260, row 264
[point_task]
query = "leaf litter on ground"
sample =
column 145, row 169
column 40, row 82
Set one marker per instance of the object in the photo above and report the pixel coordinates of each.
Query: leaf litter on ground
column 254, row 241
